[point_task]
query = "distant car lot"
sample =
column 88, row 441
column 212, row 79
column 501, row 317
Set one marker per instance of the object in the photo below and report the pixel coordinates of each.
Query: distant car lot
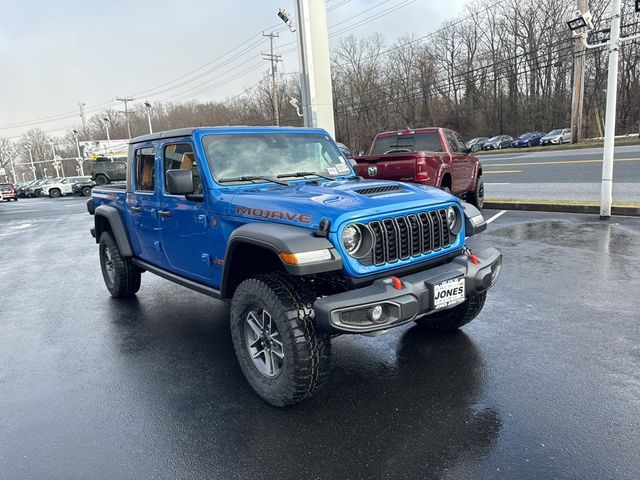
column 518, row 393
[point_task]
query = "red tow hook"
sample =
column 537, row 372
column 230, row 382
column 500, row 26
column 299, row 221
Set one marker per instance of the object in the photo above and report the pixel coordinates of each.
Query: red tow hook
column 397, row 283
column 471, row 256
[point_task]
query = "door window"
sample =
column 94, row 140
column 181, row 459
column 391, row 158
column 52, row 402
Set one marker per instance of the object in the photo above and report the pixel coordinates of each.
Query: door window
column 180, row 156
column 453, row 142
column 145, row 169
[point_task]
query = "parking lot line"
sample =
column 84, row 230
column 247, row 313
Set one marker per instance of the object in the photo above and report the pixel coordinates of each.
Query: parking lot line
column 496, row 216
column 559, row 162
column 485, row 172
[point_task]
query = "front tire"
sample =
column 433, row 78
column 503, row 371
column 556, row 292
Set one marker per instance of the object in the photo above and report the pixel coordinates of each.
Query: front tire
column 121, row 277
column 54, row 193
column 476, row 198
column 282, row 356
column 86, row 191
column 101, row 179
column 452, row 319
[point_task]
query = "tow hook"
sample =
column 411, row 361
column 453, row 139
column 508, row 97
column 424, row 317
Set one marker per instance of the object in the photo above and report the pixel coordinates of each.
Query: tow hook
column 471, row 255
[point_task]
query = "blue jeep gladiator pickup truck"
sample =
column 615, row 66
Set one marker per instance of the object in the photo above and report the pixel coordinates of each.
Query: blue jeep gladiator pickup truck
column 275, row 221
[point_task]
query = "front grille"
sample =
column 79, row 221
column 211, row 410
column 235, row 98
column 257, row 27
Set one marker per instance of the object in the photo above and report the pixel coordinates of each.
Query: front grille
column 372, row 191
column 408, row 236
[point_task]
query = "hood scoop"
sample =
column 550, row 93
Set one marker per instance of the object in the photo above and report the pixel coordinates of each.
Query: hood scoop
column 380, row 190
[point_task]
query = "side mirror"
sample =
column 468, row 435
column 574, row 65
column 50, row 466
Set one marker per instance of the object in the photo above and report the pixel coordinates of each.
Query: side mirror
column 179, row 182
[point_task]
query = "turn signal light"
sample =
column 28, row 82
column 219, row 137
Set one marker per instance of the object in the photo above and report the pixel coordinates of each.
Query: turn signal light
column 303, row 258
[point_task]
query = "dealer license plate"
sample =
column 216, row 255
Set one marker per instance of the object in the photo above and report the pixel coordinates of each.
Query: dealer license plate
column 449, row 293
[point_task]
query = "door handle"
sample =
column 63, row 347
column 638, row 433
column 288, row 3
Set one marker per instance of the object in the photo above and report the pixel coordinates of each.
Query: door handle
column 164, row 213
column 136, row 209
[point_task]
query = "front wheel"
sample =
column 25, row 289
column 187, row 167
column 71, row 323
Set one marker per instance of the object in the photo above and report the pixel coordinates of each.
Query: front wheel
column 121, row 277
column 452, row 319
column 476, row 197
column 282, row 356
column 102, row 179
column 54, row 193
column 86, row 191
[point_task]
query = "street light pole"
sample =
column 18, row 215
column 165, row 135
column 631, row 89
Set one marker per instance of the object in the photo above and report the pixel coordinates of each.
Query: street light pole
column 56, row 163
column 147, row 105
column 106, row 121
column 33, row 167
column 76, row 134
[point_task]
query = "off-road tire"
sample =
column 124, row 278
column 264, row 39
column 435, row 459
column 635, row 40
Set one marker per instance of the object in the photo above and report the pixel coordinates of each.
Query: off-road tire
column 86, row 191
column 307, row 352
column 102, row 179
column 127, row 277
column 476, row 198
column 55, row 193
column 452, row 319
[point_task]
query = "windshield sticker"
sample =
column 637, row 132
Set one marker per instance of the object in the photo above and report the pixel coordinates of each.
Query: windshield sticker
column 343, row 169
column 332, row 171
column 342, row 159
column 273, row 214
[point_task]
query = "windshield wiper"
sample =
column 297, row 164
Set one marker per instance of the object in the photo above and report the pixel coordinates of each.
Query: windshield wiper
column 306, row 174
column 252, row 178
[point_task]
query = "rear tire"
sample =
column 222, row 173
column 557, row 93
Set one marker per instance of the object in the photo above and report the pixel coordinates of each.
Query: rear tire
column 101, row 179
column 476, row 198
column 121, row 277
column 452, row 319
column 54, row 193
column 282, row 356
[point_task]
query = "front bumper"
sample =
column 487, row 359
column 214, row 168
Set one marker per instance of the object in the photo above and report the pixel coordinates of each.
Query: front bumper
column 349, row 312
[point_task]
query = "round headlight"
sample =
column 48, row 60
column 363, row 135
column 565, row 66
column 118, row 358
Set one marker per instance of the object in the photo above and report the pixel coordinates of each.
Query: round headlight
column 453, row 220
column 351, row 238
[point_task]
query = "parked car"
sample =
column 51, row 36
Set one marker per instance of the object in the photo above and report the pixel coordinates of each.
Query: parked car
column 83, row 187
column 274, row 221
column 556, row 137
column 498, row 142
column 436, row 157
column 104, row 172
column 35, row 189
column 61, row 186
column 528, row 139
column 476, row 144
column 345, row 150
column 22, row 188
column 8, row 192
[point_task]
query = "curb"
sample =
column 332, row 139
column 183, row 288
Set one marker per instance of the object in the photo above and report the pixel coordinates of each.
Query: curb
column 627, row 211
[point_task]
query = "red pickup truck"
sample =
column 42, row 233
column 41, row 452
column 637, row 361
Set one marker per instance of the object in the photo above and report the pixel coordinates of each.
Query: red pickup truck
column 436, row 157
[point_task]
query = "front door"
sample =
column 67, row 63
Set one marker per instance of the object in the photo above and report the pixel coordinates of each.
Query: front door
column 143, row 206
column 459, row 164
column 184, row 220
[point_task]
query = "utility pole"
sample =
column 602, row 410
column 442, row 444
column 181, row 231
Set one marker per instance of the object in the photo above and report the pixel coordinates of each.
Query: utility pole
column 313, row 50
column 577, row 103
column 126, row 101
column 613, row 45
column 274, row 59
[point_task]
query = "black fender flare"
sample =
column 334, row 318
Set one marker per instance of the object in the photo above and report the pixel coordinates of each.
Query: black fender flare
column 280, row 238
column 474, row 222
column 113, row 216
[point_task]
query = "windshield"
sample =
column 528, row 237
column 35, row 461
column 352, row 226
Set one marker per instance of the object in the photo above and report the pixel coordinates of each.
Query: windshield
column 557, row 131
column 417, row 142
column 232, row 156
column 495, row 139
column 526, row 135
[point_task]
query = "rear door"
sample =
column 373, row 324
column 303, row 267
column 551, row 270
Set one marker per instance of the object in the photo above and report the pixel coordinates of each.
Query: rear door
column 143, row 203
column 459, row 163
column 184, row 220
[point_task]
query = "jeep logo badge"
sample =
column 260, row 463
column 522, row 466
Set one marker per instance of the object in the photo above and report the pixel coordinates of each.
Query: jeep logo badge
column 373, row 171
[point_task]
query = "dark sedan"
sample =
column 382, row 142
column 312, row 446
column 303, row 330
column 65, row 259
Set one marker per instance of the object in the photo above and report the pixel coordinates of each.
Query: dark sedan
column 528, row 139
column 498, row 142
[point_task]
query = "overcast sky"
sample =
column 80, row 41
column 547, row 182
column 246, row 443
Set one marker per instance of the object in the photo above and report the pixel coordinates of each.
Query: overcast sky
column 54, row 54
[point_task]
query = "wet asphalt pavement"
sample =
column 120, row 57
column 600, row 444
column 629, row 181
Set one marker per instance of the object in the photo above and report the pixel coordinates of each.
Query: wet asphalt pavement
column 545, row 383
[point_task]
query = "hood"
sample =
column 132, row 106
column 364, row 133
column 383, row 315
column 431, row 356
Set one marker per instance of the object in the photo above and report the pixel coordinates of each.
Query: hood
column 305, row 204
column 549, row 137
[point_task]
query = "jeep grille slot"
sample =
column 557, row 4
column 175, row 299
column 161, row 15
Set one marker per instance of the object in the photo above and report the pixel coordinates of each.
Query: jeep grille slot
column 408, row 236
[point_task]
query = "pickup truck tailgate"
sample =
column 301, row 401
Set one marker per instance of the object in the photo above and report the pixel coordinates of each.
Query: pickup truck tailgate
column 396, row 166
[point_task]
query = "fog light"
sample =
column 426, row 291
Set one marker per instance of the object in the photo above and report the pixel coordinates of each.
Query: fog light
column 376, row 313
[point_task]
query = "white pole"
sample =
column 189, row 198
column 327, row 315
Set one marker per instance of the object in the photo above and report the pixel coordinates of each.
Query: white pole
column 80, row 162
column 106, row 127
column 315, row 66
column 610, row 120
column 33, row 167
